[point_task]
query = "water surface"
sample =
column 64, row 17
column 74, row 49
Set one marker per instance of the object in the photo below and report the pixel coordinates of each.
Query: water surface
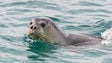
column 72, row 16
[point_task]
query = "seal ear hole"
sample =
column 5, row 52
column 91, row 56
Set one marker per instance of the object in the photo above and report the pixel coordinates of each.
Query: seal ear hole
column 42, row 24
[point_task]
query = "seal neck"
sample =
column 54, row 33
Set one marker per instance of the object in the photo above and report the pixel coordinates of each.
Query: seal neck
column 56, row 35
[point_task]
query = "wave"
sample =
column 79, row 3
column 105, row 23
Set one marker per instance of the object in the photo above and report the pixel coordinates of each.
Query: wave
column 107, row 35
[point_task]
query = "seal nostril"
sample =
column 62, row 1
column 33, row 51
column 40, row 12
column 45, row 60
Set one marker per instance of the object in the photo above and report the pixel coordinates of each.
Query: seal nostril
column 31, row 27
column 35, row 27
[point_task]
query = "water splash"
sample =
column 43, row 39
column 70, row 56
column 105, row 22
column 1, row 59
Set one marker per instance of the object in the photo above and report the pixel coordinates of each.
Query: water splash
column 107, row 35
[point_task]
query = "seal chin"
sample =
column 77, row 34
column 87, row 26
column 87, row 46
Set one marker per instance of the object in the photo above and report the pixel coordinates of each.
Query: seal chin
column 32, row 33
column 39, row 36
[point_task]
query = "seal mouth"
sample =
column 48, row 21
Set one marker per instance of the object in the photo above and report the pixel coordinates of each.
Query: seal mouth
column 38, row 36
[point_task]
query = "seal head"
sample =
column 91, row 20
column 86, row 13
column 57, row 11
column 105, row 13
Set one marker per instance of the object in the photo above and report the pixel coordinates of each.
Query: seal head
column 44, row 29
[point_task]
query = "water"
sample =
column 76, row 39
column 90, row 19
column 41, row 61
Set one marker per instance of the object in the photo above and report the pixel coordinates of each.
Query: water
column 73, row 16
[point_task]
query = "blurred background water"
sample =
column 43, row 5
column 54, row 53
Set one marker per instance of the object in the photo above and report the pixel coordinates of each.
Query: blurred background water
column 73, row 16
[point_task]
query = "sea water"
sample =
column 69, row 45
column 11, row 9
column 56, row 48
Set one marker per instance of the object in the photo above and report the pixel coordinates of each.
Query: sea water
column 72, row 16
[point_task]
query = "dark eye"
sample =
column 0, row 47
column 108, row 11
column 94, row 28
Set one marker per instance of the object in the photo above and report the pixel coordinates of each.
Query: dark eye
column 42, row 24
column 30, row 23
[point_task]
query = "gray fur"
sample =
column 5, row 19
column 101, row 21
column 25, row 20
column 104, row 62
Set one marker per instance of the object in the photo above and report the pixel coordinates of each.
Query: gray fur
column 73, row 39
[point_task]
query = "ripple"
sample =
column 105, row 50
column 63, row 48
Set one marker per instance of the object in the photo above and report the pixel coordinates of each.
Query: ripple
column 3, row 25
column 13, row 4
column 74, row 16
column 107, row 60
column 84, row 3
column 80, row 11
column 94, row 53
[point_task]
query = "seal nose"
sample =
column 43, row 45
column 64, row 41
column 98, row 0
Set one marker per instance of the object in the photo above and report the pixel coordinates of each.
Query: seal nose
column 33, row 27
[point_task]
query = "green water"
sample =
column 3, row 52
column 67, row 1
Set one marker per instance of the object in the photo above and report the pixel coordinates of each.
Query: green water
column 72, row 16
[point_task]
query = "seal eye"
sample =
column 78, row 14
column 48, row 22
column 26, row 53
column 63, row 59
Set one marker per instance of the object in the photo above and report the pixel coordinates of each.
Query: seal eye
column 42, row 24
column 30, row 23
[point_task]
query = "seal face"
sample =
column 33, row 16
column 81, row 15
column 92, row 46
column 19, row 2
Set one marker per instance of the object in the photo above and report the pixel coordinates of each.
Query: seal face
column 43, row 28
column 37, row 28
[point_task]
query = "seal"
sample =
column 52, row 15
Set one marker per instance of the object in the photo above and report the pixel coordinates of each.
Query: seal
column 44, row 28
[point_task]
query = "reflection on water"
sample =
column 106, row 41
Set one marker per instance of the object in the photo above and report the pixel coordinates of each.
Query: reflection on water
column 41, row 48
